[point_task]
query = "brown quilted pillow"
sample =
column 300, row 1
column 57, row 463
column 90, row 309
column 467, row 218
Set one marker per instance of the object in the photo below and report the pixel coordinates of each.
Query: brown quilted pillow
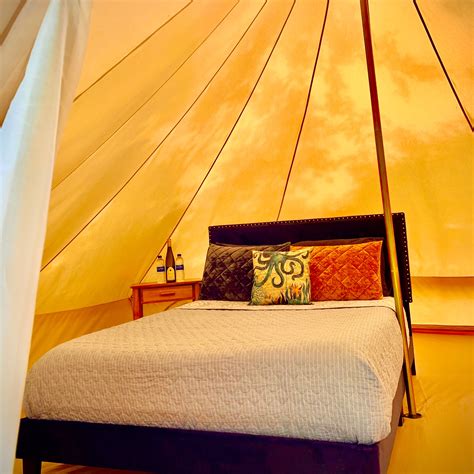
column 384, row 267
column 346, row 272
column 228, row 273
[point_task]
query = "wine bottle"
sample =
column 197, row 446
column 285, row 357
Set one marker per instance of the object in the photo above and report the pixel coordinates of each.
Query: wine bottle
column 160, row 270
column 170, row 270
column 179, row 268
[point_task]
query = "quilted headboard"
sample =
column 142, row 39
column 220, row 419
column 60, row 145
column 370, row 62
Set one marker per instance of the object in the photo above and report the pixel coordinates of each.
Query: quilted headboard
column 371, row 225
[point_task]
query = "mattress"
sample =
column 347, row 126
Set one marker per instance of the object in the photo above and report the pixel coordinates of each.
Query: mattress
column 327, row 371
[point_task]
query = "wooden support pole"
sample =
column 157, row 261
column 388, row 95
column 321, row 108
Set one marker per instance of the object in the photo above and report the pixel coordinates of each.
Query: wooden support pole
column 387, row 211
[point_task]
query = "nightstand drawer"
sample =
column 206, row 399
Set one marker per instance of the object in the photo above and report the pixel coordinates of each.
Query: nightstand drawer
column 170, row 293
column 149, row 292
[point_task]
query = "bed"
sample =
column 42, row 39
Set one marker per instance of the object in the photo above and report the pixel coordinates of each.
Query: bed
column 220, row 386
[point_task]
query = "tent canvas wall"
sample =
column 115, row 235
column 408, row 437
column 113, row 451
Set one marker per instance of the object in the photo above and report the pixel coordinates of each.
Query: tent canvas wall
column 180, row 131
column 209, row 127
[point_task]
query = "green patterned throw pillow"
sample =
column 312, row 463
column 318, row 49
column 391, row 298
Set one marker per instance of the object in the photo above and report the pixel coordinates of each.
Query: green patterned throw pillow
column 281, row 277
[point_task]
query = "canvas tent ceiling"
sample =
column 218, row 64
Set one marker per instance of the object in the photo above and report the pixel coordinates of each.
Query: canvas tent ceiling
column 204, row 121
column 191, row 113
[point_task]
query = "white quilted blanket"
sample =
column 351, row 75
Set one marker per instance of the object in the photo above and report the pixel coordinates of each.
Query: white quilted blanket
column 328, row 371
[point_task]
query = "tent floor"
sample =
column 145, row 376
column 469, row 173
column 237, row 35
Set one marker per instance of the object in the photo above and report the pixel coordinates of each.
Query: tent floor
column 440, row 442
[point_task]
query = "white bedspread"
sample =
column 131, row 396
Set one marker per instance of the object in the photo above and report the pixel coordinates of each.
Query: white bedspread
column 328, row 371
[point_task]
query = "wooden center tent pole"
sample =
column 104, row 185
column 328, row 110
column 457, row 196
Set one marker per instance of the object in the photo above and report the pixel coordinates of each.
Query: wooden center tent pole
column 392, row 251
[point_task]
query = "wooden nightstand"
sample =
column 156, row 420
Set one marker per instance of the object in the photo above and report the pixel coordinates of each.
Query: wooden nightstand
column 144, row 293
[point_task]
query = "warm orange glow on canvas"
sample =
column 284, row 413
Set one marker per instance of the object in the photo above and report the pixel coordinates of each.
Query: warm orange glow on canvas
column 199, row 125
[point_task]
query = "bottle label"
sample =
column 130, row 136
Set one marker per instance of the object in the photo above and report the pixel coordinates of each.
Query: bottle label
column 170, row 275
column 179, row 267
column 160, row 274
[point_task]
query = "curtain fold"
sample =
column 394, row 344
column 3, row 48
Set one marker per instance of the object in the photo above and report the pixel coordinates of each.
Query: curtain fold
column 29, row 139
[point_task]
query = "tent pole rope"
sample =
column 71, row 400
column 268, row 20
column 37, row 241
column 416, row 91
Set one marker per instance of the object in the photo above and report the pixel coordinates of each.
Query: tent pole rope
column 392, row 251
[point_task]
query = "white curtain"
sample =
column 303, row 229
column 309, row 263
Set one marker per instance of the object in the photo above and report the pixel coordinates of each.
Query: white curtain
column 29, row 139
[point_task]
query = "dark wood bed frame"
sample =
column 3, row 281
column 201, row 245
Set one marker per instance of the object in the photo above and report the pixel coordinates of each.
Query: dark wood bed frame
column 176, row 451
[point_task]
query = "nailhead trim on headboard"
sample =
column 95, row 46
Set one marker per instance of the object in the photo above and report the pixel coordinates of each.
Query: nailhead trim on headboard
column 405, row 255
column 399, row 217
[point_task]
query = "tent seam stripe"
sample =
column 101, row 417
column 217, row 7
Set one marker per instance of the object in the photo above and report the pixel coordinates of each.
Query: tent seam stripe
column 229, row 135
column 123, row 58
column 149, row 98
column 305, row 110
column 433, row 45
column 162, row 141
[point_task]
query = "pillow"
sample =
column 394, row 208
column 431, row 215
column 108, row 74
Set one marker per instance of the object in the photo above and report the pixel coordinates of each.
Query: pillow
column 281, row 277
column 384, row 267
column 346, row 272
column 228, row 271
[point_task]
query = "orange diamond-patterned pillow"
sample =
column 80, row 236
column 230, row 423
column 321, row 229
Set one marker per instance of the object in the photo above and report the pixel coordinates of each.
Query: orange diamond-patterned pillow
column 346, row 272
